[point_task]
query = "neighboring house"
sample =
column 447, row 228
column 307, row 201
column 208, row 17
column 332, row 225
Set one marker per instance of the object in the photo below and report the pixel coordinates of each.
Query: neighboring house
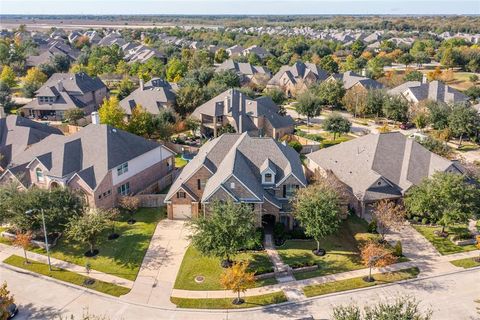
column 257, row 116
column 153, row 96
column 235, row 51
column 261, row 172
column 111, row 39
column 19, row 133
column 246, row 71
column 143, row 53
column 102, row 162
column 416, row 91
column 353, row 81
column 377, row 167
column 259, row 51
column 296, row 78
column 53, row 48
column 64, row 91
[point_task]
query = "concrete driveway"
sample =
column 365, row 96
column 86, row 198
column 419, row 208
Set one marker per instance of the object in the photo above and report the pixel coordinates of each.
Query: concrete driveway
column 160, row 265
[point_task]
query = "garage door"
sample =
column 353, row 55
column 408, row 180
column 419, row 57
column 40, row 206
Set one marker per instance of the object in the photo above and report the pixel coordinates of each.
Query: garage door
column 182, row 211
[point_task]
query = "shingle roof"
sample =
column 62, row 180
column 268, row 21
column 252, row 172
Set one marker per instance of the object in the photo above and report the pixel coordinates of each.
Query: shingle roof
column 298, row 71
column 243, row 68
column 350, row 79
column 434, row 90
column 155, row 95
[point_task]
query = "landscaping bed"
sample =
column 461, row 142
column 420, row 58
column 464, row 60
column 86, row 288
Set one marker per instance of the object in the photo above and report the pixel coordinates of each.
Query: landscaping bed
column 444, row 245
column 467, row 262
column 357, row 283
column 121, row 257
column 194, row 264
column 65, row 275
column 226, row 303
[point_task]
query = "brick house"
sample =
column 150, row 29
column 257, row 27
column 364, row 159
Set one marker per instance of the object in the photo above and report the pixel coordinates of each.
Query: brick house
column 259, row 171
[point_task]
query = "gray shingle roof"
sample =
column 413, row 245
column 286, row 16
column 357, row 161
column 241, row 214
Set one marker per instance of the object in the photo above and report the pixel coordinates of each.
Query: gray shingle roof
column 434, row 90
column 243, row 68
column 298, row 71
column 350, row 79
column 156, row 94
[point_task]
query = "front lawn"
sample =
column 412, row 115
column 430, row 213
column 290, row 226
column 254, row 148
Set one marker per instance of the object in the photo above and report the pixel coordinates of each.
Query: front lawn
column 194, row 264
column 121, row 257
column 466, row 263
column 179, row 161
column 65, row 275
column 357, row 283
column 443, row 245
column 342, row 250
column 226, row 303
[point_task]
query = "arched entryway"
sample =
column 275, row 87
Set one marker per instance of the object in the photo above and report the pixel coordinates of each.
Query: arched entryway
column 268, row 222
column 54, row 185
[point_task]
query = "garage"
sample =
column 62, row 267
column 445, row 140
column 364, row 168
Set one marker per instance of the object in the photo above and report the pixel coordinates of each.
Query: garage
column 182, row 211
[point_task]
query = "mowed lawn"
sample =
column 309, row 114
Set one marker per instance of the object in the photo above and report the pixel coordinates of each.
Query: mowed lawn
column 443, row 245
column 342, row 250
column 194, row 264
column 226, row 303
column 121, row 257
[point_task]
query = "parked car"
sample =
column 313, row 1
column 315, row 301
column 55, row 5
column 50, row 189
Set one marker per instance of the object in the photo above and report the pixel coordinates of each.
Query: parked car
column 406, row 126
column 12, row 311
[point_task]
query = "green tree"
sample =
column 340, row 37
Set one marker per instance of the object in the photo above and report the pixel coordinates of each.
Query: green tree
column 463, row 121
column 438, row 114
column 33, row 81
column 225, row 79
column 60, row 62
column 87, row 227
column 328, row 64
column 5, row 96
column 176, row 69
column 374, row 103
column 8, row 76
column 254, row 59
column 317, row 208
column 73, row 115
column 331, row 93
column 413, row 76
column 221, row 55
column 140, row 122
column 309, row 105
column 276, row 94
column 188, row 98
column 395, row 108
column 445, row 198
column 225, row 230
column 111, row 113
column 357, row 48
column 6, row 299
column 336, row 124
column 125, row 87
column 448, row 58
column 406, row 59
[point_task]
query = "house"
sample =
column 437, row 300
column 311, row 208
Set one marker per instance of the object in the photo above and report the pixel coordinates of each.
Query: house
column 259, row 51
column 353, row 81
column 153, row 96
column 235, row 51
column 142, row 54
column 377, row 167
column 49, row 51
column 233, row 108
column 262, row 172
column 101, row 162
column 111, row 39
column 416, row 91
column 64, row 91
column 296, row 78
column 245, row 71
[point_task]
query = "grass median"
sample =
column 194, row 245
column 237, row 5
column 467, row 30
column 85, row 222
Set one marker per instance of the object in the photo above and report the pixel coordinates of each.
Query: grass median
column 65, row 275
column 467, row 262
column 357, row 283
column 226, row 303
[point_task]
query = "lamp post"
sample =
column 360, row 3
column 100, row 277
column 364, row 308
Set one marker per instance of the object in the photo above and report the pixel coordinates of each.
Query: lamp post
column 30, row 212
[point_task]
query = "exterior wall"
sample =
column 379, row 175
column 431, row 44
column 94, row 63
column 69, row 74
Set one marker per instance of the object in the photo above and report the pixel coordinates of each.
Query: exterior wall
column 192, row 183
column 79, row 185
column 239, row 191
column 290, row 180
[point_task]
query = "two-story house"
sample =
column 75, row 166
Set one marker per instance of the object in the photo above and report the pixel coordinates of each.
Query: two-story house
column 259, row 171
column 246, row 72
column 64, row 91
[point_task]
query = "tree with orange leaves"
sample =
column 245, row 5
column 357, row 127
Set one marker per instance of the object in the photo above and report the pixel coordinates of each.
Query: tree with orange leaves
column 238, row 279
column 375, row 255
column 22, row 240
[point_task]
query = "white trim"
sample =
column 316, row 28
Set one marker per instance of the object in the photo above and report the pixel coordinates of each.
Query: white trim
column 212, row 193
column 286, row 177
column 271, row 203
column 233, row 175
column 76, row 174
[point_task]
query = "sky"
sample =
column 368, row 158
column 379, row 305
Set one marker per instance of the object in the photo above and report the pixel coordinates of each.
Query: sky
column 232, row 7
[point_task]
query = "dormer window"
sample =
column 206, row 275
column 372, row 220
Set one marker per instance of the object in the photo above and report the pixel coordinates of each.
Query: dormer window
column 268, row 178
column 39, row 174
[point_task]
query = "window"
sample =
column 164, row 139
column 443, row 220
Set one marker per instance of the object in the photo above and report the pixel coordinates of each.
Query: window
column 232, row 185
column 169, row 162
column 268, row 178
column 99, row 196
column 181, row 195
column 39, row 174
column 123, row 168
column 289, row 190
column 199, row 184
column 124, row 189
column 219, row 119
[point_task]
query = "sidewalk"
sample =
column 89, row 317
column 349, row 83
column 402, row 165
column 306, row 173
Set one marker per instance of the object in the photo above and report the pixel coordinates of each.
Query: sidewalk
column 6, row 251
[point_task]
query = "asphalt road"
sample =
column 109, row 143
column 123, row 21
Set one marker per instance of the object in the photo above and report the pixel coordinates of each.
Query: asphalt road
column 449, row 296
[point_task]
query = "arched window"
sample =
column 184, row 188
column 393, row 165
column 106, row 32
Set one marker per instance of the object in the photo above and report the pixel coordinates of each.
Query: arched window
column 39, row 174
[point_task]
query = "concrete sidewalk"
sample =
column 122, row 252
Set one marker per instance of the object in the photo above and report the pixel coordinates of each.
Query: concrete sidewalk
column 6, row 251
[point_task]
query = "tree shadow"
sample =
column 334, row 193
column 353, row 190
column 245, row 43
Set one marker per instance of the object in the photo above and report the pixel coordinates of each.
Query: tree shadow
column 29, row 311
column 290, row 310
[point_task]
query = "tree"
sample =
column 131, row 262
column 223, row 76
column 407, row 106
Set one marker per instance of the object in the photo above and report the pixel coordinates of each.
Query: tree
column 276, row 94
column 463, row 120
column 33, row 81
column 8, row 76
column 375, row 255
column 331, row 93
column 473, row 78
column 225, row 79
column 317, row 208
column 22, row 240
column 176, row 69
column 73, row 115
column 336, row 124
column 131, row 205
column 225, row 230
column 444, row 198
column 357, row 48
column 328, row 64
column 87, row 227
column 309, row 105
column 141, row 122
column 374, row 103
column 192, row 124
column 125, row 87
column 60, row 62
column 188, row 98
column 5, row 96
column 6, row 299
column 395, row 108
column 111, row 113
column 421, row 120
column 438, row 114
column 388, row 216
column 238, row 279
column 413, row 76
column 448, row 58
column 406, row 59
column 221, row 55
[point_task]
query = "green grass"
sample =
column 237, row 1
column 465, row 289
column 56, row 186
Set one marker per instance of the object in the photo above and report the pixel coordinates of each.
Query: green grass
column 466, row 263
column 443, row 245
column 179, row 162
column 342, row 250
column 470, row 147
column 328, row 142
column 65, row 275
column 226, row 303
column 2, row 239
column 194, row 264
column 357, row 283
column 121, row 257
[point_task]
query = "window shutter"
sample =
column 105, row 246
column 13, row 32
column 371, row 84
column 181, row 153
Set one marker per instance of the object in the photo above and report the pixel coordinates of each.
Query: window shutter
column 284, row 190
column 199, row 187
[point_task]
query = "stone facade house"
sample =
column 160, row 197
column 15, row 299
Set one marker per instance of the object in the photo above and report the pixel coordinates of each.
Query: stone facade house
column 259, row 171
column 416, row 91
column 233, row 108
column 377, row 167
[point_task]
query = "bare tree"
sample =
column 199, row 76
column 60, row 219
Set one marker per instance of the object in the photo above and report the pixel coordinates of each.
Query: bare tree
column 389, row 216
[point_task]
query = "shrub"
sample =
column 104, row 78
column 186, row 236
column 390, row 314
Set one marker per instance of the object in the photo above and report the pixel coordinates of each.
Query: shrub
column 298, row 233
column 462, row 235
column 256, row 242
column 397, row 250
column 297, row 146
column 372, row 227
column 424, row 221
column 279, row 230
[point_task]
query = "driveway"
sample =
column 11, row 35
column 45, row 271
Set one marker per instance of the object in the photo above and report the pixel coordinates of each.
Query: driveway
column 160, row 265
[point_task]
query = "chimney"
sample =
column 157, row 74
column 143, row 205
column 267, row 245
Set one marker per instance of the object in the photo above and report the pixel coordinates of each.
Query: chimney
column 60, row 85
column 364, row 72
column 424, row 78
column 141, row 84
column 2, row 112
column 240, row 113
column 227, row 103
column 95, row 117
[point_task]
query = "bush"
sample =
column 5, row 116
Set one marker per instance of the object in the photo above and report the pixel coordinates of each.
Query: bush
column 397, row 250
column 424, row 221
column 256, row 242
column 462, row 235
column 372, row 227
column 279, row 230
column 297, row 233
column 297, row 146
